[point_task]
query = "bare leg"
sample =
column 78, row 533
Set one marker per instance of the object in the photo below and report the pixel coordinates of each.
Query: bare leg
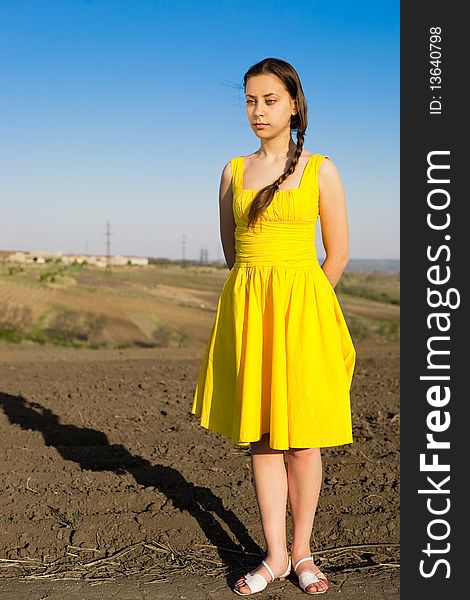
column 304, row 478
column 270, row 481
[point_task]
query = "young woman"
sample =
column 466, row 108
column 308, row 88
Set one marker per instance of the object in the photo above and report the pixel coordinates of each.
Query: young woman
column 278, row 366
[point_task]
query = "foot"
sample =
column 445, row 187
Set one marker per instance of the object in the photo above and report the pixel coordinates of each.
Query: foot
column 278, row 566
column 308, row 566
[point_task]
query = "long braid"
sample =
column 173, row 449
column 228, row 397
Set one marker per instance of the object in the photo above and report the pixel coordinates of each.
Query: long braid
column 294, row 162
column 266, row 195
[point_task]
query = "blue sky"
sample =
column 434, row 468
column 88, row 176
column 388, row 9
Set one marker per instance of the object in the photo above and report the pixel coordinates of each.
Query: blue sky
column 128, row 110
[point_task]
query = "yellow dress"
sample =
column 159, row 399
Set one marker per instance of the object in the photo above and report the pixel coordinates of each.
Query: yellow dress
column 280, row 358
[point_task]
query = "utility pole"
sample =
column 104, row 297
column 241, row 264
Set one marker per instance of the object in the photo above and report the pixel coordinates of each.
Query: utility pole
column 203, row 256
column 108, row 235
column 184, row 250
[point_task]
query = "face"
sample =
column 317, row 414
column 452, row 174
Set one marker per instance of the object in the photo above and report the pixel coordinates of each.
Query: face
column 268, row 102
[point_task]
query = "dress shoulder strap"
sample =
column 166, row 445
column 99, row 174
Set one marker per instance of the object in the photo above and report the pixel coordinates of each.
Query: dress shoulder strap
column 320, row 159
column 237, row 173
column 310, row 176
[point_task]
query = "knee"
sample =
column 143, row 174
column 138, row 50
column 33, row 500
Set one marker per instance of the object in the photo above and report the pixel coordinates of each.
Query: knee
column 304, row 454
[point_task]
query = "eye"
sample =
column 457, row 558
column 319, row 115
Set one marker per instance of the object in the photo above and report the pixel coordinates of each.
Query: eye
column 270, row 100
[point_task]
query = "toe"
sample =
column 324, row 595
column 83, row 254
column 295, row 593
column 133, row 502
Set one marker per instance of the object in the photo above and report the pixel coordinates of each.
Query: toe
column 318, row 586
column 243, row 588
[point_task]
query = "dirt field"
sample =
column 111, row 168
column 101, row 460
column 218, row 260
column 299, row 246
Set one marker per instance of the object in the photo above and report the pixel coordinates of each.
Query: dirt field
column 108, row 479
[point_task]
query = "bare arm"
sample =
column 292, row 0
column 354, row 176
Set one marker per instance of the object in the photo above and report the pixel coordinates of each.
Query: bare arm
column 333, row 221
column 227, row 220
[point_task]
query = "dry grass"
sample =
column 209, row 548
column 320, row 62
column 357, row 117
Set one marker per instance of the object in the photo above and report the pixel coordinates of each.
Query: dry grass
column 160, row 562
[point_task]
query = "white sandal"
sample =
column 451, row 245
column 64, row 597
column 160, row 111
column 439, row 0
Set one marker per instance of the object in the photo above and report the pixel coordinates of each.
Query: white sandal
column 307, row 577
column 257, row 583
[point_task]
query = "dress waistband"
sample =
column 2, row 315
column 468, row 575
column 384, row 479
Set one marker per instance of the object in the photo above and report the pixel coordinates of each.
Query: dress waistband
column 280, row 243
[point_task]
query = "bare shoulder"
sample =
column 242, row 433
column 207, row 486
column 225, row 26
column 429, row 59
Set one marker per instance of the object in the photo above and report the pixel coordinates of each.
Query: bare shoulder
column 328, row 170
column 329, row 183
column 226, row 176
column 227, row 170
column 225, row 188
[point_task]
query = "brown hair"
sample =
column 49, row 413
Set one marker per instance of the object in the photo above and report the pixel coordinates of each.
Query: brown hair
column 299, row 122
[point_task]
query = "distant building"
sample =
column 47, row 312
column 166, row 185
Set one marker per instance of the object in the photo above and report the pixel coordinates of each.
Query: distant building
column 91, row 259
column 33, row 257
